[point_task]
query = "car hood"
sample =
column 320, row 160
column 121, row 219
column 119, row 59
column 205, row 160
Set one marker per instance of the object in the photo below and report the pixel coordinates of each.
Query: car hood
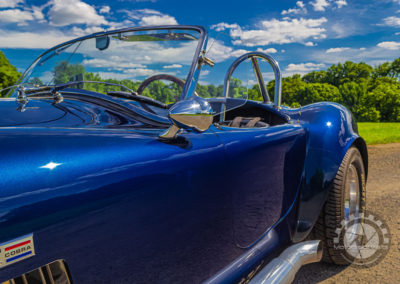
column 68, row 114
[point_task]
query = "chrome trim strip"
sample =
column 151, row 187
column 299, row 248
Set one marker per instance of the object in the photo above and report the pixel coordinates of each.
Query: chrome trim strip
column 283, row 269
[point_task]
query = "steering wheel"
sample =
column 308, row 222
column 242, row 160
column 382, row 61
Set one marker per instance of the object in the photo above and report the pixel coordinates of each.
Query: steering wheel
column 153, row 78
column 148, row 81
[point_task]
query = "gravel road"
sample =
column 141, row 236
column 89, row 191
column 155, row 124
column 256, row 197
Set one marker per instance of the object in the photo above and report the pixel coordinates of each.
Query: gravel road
column 383, row 198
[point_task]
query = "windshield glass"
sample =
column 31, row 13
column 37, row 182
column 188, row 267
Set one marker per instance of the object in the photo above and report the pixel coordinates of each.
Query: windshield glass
column 125, row 58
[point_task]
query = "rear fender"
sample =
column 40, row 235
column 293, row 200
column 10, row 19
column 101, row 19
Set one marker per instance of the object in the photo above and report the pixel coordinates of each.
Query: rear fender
column 331, row 132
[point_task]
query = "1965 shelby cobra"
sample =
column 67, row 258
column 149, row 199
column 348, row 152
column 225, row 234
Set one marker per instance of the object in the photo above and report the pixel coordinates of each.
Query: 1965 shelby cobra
column 107, row 175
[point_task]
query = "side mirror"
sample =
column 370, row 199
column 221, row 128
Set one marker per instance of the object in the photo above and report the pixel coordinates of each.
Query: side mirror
column 194, row 114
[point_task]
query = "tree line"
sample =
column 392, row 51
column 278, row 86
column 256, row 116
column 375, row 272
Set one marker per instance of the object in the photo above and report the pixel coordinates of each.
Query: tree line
column 371, row 93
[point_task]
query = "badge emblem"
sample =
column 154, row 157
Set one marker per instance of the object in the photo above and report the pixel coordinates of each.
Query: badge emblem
column 16, row 250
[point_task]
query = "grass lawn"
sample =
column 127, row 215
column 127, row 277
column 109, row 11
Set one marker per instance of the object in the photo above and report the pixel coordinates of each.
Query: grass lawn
column 379, row 133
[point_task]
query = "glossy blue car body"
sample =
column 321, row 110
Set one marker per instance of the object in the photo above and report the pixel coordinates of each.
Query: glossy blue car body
column 99, row 189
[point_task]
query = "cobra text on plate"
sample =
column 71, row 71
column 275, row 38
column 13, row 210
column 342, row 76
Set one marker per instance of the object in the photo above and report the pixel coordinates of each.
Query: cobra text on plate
column 16, row 250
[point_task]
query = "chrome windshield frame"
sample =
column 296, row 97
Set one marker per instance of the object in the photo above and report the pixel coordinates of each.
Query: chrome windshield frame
column 194, row 71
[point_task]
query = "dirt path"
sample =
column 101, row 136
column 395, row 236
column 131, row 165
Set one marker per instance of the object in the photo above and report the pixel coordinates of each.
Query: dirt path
column 383, row 198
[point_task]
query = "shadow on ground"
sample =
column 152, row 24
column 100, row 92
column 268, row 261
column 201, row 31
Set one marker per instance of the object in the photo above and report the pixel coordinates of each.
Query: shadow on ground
column 317, row 272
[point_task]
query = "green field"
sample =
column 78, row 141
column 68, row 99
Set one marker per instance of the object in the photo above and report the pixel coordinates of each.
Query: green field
column 379, row 133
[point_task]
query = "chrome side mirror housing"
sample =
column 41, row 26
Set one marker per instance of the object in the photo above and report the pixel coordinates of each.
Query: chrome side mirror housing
column 194, row 114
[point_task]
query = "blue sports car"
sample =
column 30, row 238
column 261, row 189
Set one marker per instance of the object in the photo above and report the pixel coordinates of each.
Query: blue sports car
column 116, row 168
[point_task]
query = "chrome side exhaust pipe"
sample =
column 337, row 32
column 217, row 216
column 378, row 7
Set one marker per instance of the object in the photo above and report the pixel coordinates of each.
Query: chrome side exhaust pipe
column 283, row 269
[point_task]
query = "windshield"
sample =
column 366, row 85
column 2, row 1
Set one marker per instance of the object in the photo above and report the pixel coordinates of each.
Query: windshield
column 122, row 58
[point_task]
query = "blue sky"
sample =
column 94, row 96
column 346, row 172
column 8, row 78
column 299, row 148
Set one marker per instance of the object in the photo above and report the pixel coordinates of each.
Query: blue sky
column 302, row 35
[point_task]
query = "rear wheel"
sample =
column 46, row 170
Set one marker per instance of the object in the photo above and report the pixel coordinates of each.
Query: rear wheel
column 346, row 200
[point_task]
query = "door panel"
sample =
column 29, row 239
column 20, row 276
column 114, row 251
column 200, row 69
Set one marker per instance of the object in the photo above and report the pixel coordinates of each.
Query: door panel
column 121, row 207
column 265, row 167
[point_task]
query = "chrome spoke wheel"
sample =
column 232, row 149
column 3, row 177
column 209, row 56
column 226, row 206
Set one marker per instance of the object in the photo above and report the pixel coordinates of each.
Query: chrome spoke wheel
column 352, row 202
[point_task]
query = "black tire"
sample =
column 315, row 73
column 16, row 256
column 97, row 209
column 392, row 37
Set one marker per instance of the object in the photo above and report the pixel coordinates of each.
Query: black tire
column 332, row 213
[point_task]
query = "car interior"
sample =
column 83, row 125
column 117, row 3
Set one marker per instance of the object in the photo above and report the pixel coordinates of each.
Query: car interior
column 249, row 115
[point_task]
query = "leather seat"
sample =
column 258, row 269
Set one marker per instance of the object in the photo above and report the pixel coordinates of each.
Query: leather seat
column 246, row 122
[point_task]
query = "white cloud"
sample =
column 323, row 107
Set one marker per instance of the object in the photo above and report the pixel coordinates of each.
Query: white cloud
column 392, row 21
column 204, row 73
column 303, row 68
column 131, row 74
column 223, row 26
column 89, row 30
column 150, row 17
column 372, row 55
column 139, row 55
column 268, row 50
column 279, row 32
column 268, row 76
column 114, row 61
column 140, row 13
column 105, row 10
column 22, row 15
column 121, row 24
column 116, row 75
column 172, row 66
column 220, row 52
column 13, row 39
column 140, row 72
column 15, row 16
column 300, row 8
column 68, row 12
column 341, row 3
column 10, row 3
column 46, row 77
column 38, row 13
column 337, row 49
column 157, row 20
column 392, row 45
column 310, row 43
column 320, row 5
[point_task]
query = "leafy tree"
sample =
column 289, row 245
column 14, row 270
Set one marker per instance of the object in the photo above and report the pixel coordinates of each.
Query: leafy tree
column 352, row 95
column 317, row 92
column 64, row 71
column 35, row 81
column 385, row 98
column 290, row 88
column 395, row 69
column 255, row 94
column 236, row 89
column 348, row 72
column 315, row 77
column 382, row 70
column 8, row 73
